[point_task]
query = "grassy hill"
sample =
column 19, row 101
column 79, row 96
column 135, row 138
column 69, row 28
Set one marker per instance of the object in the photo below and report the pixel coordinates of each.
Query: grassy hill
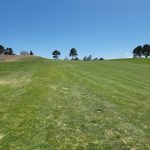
column 46, row 104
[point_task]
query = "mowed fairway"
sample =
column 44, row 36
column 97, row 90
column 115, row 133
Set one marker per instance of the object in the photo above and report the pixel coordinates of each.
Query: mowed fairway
column 75, row 105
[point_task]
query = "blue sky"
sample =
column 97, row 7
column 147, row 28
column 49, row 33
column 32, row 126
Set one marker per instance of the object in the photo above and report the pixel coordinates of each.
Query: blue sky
column 102, row 28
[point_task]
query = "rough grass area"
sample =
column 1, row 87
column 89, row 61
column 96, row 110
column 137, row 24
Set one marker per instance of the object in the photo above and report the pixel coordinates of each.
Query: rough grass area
column 75, row 105
column 10, row 58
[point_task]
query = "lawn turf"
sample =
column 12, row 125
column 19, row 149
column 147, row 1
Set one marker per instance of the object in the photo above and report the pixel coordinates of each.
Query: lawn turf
column 75, row 105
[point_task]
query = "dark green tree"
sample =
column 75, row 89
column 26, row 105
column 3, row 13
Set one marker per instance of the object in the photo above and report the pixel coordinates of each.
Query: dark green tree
column 146, row 50
column 101, row 59
column 138, row 51
column 2, row 49
column 31, row 53
column 85, row 58
column 89, row 58
column 73, row 53
column 56, row 54
column 8, row 51
column 95, row 59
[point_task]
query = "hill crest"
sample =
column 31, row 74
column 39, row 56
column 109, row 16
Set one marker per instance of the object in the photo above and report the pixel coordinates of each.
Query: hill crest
column 9, row 58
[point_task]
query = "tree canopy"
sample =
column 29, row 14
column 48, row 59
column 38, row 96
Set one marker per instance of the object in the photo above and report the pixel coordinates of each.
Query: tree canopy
column 140, row 51
column 73, row 53
column 56, row 54
column 89, row 58
column 31, row 53
column 2, row 49
column 146, row 50
column 8, row 51
column 137, row 52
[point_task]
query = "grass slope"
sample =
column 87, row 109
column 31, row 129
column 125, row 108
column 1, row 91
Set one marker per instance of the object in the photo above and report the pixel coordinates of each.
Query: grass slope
column 65, row 105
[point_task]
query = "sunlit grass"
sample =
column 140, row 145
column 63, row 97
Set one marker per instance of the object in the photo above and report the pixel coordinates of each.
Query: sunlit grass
column 47, row 104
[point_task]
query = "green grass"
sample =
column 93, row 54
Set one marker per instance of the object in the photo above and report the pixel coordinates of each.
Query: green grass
column 75, row 105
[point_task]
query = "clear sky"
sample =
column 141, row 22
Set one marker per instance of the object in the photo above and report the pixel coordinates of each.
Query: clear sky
column 102, row 28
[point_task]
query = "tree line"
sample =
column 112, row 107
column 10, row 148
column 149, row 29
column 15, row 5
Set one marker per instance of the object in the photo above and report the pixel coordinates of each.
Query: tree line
column 73, row 54
column 56, row 54
column 9, row 51
column 140, row 51
column 6, row 51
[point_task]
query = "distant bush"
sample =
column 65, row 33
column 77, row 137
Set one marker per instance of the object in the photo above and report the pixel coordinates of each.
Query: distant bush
column 95, row 59
column 101, row 59
column 84, row 58
column 89, row 58
column 31, row 53
column 24, row 53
